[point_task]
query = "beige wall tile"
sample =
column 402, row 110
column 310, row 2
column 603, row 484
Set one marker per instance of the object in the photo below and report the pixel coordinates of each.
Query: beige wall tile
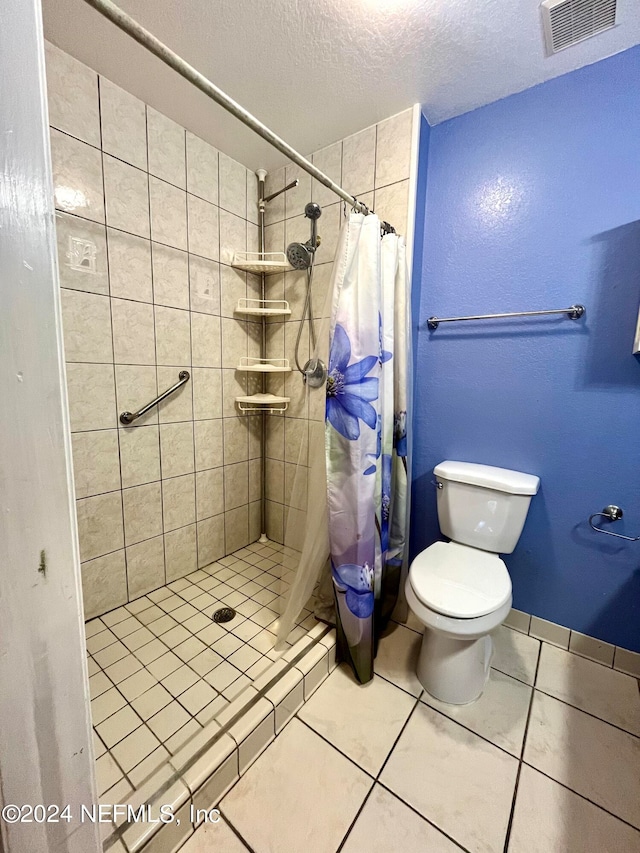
column 236, row 485
column 127, row 197
column 124, row 124
column 72, row 92
column 550, row 632
column 210, row 540
column 233, row 186
column 204, row 231
column 82, row 254
column 136, row 385
column 236, row 528
column 142, row 513
column 100, row 527
column 255, row 521
column 77, row 177
column 208, row 444
column 145, row 566
column 233, row 236
column 627, row 661
column 129, row 266
column 297, row 197
column 180, row 552
column 234, row 342
column 329, row 161
column 252, row 197
column 92, row 401
column 233, row 286
column 139, row 455
column 234, row 385
column 176, row 447
column 104, row 584
column 204, row 285
column 209, row 493
column 205, row 340
column 96, row 462
column 207, row 393
column 173, row 336
column 166, row 141
column 179, row 501
column 359, row 161
column 236, row 440
column 275, row 480
column 178, row 406
column 255, row 479
column 133, row 332
column 168, row 214
column 393, row 149
column 202, row 169
column 275, row 521
column 170, row 277
column 86, row 320
column 274, row 211
column 392, row 205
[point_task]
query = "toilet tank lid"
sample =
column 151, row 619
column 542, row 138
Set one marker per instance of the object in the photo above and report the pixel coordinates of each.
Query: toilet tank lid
column 488, row 476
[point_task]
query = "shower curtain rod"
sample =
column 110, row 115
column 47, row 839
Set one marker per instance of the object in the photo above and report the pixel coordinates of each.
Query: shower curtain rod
column 132, row 28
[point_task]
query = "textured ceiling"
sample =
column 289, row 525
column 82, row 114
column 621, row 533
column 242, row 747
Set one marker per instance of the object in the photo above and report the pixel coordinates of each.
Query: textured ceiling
column 316, row 71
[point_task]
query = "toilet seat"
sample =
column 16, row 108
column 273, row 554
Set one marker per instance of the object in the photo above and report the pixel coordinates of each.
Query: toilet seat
column 459, row 581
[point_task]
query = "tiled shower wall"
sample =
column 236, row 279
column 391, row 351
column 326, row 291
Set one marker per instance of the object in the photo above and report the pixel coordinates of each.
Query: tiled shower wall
column 375, row 165
column 149, row 217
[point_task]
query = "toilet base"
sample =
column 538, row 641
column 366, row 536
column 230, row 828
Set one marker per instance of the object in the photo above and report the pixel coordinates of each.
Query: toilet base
column 454, row 670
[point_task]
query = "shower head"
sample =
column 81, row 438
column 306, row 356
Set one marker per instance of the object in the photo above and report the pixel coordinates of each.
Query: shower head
column 313, row 210
column 300, row 255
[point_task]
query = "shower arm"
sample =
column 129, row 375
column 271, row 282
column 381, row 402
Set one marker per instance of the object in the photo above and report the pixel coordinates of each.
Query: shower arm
column 132, row 28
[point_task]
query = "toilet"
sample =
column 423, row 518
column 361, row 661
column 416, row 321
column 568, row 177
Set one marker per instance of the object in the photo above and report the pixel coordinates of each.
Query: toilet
column 461, row 590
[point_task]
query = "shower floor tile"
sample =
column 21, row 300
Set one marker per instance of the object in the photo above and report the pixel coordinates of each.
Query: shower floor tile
column 161, row 669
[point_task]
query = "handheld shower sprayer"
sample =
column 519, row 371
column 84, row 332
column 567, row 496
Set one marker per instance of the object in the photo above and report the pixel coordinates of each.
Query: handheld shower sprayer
column 300, row 255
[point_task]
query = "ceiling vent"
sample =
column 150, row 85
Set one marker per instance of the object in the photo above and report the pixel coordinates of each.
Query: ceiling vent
column 568, row 22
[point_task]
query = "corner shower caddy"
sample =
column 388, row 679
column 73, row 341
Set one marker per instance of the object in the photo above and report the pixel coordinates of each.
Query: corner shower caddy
column 263, row 263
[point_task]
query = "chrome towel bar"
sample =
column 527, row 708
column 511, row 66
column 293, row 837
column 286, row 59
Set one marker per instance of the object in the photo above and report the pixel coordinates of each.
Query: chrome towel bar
column 613, row 513
column 130, row 417
column 574, row 313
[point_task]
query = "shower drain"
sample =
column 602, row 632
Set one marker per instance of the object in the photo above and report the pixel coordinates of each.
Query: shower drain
column 225, row 614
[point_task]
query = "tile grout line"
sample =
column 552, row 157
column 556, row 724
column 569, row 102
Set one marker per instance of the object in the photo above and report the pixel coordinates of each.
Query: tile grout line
column 522, row 748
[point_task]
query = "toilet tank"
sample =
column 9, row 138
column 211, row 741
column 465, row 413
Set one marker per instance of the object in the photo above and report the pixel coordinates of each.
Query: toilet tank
column 483, row 506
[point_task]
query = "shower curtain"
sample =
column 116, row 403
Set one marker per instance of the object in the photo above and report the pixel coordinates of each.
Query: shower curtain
column 366, row 434
column 346, row 526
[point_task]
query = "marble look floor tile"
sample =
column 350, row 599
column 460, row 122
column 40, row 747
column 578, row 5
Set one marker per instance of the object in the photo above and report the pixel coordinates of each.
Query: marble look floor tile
column 585, row 754
column 499, row 715
column 596, row 689
column 106, row 705
column 397, row 657
column 549, row 817
column 362, row 721
column 386, row 824
column 515, row 654
column 463, row 784
column 301, row 794
column 214, row 836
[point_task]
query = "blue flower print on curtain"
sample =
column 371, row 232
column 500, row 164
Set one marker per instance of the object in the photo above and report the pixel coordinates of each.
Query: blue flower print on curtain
column 350, row 391
column 357, row 584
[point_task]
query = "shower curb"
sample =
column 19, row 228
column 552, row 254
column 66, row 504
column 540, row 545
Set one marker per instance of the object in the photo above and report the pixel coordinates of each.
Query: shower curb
column 250, row 730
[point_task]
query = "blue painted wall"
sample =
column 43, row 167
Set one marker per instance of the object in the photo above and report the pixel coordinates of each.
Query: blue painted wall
column 533, row 203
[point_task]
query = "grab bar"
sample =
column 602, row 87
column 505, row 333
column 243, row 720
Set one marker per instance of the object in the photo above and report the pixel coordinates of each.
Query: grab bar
column 574, row 313
column 130, row 417
column 613, row 513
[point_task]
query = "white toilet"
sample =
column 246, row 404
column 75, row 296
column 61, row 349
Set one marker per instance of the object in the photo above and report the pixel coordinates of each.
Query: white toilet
column 461, row 590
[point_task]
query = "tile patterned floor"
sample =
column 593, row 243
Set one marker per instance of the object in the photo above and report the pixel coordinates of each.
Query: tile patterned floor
column 546, row 761
column 160, row 668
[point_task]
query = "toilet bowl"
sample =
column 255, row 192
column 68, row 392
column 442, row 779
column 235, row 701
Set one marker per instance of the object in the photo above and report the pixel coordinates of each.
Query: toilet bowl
column 461, row 590
column 458, row 607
